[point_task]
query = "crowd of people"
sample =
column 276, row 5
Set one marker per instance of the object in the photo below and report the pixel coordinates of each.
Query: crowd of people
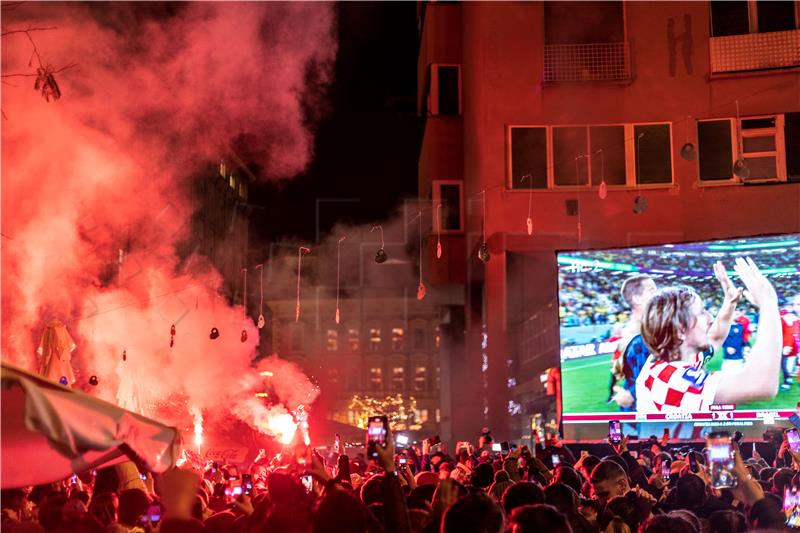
column 420, row 490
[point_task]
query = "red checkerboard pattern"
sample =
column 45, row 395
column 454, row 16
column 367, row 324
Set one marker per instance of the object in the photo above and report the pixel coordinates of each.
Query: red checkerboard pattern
column 665, row 387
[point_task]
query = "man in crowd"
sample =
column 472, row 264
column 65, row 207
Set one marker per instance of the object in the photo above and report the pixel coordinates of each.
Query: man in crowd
column 675, row 327
column 790, row 325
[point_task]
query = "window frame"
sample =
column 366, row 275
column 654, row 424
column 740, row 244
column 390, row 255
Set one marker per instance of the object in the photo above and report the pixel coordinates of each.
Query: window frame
column 736, row 127
column 752, row 19
column 433, row 90
column 436, row 194
column 629, row 149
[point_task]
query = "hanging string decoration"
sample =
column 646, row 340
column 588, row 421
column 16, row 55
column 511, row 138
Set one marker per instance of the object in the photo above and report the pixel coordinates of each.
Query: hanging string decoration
column 338, row 255
column 261, row 321
column 602, row 190
column 243, row 336
column 302, row 250
column 439, row 231
column 687, row 150
column 172, row 336
column 740, row 168
column 421, row 286
column 381, row 256
column 483, row 251
column 640, row 202
column 529, row 220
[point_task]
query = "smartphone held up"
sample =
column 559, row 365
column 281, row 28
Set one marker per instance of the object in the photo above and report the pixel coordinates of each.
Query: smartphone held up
column 377, row 428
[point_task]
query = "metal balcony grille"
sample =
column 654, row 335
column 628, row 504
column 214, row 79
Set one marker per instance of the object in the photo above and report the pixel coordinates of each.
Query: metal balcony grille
column 587, row 62
column 755, row 51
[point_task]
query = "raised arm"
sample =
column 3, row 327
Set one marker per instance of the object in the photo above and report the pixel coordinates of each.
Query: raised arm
column 731, row 295
column 757, row 379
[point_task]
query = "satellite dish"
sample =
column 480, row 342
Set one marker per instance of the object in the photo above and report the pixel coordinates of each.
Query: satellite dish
column 740, row 169
column 688, row 152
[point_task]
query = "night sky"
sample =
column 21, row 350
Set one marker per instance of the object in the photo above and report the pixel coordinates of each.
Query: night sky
column 368, row 136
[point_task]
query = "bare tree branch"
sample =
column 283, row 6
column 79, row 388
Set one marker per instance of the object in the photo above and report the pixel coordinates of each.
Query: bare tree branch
column 11, row 32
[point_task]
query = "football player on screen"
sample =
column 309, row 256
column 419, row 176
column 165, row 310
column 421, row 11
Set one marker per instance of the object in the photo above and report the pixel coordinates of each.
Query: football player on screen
column 637, row 291
column 676, row 328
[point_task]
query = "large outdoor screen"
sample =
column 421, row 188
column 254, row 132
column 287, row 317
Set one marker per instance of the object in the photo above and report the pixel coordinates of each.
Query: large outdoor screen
column 599, row 348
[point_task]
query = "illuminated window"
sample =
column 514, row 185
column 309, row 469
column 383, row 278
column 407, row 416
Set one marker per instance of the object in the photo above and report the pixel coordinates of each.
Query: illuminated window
column 398, row 378
column 420, row 376
column 374, row 340
column 397, row 339
column 332, row 343
column 419, row 338
column 353, row 339
column 243, row 190
column 421, row 415
column 438, row 415
column 438, row 338
column 437, row 378
column 351, row 417
column 375, row 378
column 222, row 170
column 232, row 182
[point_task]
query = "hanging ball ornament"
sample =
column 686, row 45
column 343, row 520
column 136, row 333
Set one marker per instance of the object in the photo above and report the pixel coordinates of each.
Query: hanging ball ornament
column 93, row 381
column 381, row 256
column 438, row 249
column 63, row 380
column 740, row 169
column 124, row 355
column 602, row 191
column 640, row 205
column 172, row 342
column 529, row 225
column 421, row 291
column 214, row 334
column 688, row 152
column 483, row 253
column 243, row 338
column 172, row 330
column 261, row 321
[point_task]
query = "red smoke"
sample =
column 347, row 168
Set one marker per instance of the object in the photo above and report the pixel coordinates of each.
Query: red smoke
column 106, row 167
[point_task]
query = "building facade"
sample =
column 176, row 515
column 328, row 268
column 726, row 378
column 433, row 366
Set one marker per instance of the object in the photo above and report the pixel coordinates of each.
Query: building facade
column 585, row 125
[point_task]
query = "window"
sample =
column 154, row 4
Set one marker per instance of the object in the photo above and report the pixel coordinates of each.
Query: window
column 397, row 339
column 607, row 154
column 375, row 378
column 333, row 376
column 374, row 340
column 770, row 146
column 421, row 415
column 448, row 193
column 332, row 342
column 715, row 141
column 569, row 150
column 420, row 378
column 419, row 338
column 653, row 153
column 438, row 380
column 759, row 16
column 528, row 157
column 398, row 378
column 583, row 22
column 353, row 339
column 444, row 96
column 586, row 156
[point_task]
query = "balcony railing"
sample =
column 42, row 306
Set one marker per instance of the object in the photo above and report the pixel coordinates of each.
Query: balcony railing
column 587, row 62
column 755, row 51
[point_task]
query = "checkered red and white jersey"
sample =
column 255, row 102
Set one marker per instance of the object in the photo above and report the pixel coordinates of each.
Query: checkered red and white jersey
column 675, row 387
